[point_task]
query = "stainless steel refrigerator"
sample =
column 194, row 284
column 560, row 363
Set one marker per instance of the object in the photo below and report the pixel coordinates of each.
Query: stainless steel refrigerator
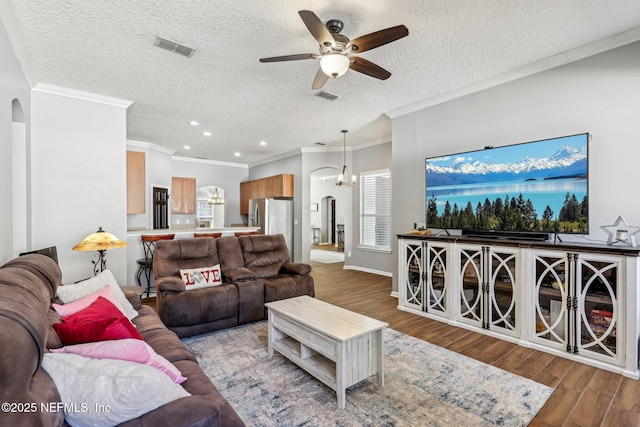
column 273, row 216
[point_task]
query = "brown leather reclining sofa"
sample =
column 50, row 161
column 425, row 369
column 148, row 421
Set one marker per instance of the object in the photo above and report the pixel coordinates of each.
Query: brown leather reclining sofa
column 255, row 269
column 27, row 287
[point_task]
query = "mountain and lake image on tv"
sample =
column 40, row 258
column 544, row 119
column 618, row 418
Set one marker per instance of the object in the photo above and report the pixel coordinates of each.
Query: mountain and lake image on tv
column 538, row 186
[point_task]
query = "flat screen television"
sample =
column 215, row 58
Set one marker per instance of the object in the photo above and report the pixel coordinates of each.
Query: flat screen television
column 533, row 187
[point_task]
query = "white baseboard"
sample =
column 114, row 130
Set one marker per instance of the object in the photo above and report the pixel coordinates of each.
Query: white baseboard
column 368, row 270
column 395, row 294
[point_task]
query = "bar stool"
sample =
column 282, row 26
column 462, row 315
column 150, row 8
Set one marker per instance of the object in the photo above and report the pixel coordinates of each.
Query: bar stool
column 214, row 235
column 145, row 265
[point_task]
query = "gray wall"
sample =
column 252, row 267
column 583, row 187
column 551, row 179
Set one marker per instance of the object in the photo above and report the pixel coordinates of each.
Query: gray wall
column 599, row 95
column 370, row 159
column 224, row 176
column 13, row 85
column 292, row 165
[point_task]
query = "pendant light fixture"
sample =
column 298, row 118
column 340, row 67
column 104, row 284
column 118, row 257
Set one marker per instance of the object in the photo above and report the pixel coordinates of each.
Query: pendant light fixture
column 344, row 176
column 215, row 198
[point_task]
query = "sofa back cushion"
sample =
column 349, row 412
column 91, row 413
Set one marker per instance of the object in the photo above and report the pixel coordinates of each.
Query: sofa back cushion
column 171, row 256
column 230, row 253
column 264, row 254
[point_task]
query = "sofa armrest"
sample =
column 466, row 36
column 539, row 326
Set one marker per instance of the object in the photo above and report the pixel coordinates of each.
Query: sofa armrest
column 240, row 274
column 170, row 284
column 295, row 268
column 134, row 299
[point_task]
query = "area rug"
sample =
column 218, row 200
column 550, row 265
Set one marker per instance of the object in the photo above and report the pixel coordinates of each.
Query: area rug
column 326, row 257
column 424, row 385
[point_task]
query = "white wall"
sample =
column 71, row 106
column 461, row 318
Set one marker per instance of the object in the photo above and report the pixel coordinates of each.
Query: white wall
column 598, row 95
column 13, row 86
column 78, row 176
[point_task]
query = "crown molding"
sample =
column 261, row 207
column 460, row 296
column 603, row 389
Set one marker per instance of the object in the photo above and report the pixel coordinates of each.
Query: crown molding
column 291, row 153
column 149, row 145
column 558, row 60
column 78, row 94
column 209, row 162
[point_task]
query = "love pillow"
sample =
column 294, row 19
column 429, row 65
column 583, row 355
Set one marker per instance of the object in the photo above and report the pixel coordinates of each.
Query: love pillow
column 198, row 278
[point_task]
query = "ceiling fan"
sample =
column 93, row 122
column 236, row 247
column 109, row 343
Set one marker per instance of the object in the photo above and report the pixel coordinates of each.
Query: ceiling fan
column 337, row 51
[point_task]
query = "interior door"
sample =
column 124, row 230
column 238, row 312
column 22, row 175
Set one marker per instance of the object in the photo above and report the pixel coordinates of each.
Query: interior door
column 160, row 208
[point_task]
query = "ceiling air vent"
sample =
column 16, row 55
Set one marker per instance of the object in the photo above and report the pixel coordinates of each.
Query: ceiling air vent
column 178, row 48
column 326, row 95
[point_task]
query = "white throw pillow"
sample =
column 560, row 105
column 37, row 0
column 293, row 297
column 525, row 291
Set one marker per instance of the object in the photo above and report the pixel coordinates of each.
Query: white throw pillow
column 198, row 278
column 107, row 392
column 70, row 293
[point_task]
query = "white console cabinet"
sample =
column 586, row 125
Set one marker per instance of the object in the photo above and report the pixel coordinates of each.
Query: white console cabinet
column 576, row 301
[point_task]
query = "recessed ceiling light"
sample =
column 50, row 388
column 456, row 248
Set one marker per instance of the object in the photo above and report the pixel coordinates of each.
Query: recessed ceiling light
column 206, row 133
column 236, row 154
column 186, row 147
column 193, row 123
column 263, row 143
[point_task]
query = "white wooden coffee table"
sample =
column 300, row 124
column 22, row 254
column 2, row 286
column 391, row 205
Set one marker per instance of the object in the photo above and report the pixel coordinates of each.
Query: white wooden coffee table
column 337, row 346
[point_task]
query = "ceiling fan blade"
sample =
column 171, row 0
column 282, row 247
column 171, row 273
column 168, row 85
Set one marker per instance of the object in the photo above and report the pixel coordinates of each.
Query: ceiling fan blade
column 364, row 66
column 320, row 79
column 317, row 28
column 379, row 38
column 289, row 57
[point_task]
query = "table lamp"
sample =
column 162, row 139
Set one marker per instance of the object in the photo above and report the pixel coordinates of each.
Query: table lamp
column 100, row 241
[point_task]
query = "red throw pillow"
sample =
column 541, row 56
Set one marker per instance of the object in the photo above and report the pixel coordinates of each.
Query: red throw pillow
column 101, row 321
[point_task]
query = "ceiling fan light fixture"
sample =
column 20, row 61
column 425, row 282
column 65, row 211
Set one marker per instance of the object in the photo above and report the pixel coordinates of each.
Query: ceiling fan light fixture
column 334, row 64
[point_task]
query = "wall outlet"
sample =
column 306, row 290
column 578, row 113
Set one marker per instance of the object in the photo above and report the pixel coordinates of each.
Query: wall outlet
column 349, row 254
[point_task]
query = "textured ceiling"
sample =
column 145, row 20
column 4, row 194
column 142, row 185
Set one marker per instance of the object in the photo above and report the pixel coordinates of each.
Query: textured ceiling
column 106, row 47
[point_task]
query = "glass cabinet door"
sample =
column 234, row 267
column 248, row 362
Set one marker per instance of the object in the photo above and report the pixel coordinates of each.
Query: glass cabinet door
column 598, row 281
column 470, row 279
column 413, row 286
column 502, row 295
column 436, row 278
column 551, row 299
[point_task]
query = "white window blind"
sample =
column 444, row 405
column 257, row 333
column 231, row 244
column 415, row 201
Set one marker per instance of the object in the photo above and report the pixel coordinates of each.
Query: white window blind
column 375, row 210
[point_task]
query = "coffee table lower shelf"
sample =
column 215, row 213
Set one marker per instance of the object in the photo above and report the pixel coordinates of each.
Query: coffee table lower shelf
column 314, row 363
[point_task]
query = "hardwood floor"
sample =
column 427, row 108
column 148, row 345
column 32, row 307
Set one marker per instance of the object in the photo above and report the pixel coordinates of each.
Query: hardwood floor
column 583, row 396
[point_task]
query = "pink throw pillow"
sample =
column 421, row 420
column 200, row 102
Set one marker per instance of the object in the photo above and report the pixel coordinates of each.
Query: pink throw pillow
column 84, row 302
column 129, row 349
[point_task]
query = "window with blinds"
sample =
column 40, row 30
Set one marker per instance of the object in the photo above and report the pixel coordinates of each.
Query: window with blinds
column 375, row 210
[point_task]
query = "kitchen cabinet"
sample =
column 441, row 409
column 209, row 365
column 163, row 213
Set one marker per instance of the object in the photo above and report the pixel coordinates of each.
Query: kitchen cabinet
column 183, row 195
column 271, row 186
column 135, row 182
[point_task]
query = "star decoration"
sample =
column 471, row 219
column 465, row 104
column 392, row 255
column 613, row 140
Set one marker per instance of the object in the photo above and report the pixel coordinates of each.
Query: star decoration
column 620, row 231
